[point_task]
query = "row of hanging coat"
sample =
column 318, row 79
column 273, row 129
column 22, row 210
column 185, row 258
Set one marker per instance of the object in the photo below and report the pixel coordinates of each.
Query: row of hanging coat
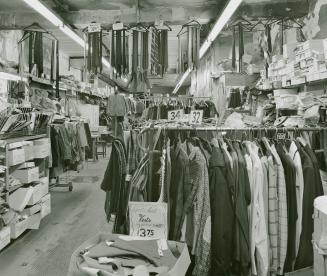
column 243, row 204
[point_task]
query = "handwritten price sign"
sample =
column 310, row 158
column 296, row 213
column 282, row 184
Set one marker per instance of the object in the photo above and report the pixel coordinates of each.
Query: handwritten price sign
column 175, row 115
column 196, row 117
column 148, row 220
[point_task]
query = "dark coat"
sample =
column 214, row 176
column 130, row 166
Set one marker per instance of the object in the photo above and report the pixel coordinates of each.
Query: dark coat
column 221, row 185
column 312, row 189
column 242, row 257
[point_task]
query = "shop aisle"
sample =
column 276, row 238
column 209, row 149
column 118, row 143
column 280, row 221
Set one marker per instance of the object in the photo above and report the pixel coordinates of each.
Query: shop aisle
column 75, row 217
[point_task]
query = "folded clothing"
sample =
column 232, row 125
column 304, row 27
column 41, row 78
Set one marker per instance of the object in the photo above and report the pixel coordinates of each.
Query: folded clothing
column 147, row 250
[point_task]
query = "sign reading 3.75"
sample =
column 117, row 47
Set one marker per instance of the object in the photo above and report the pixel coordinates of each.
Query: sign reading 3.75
column 148, row 220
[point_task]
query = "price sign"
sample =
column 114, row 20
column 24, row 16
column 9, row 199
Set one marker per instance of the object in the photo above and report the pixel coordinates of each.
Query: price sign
column 148, row 220
column 175, row 115
column 281, row 136
column 196, row 117
column 94, row 28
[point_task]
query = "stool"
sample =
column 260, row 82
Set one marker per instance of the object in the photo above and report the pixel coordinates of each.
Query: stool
column 103, row 144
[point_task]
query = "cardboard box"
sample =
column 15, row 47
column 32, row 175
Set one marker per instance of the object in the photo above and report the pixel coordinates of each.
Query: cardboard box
column 319, row 262
column 40, row 190
column 16, row 156
column 41, row 151
column 31, row 222
column 46, row 205
column 4, row 237
column 179, row 268
column 27, row 175
column 319, row 218
column 18, row 228
column 29, row 211
column 42, row 148
column 19, row 199
column 29, row 150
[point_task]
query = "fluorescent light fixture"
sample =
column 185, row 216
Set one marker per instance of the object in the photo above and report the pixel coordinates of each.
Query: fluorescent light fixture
column 44, row 11
column 12, row 77
column 229, row 10
column 74, row 36
column 219, row 25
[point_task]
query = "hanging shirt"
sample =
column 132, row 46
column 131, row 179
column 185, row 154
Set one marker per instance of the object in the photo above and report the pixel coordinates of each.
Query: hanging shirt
column 258, row 227
column 282, row 212
column 295, row 155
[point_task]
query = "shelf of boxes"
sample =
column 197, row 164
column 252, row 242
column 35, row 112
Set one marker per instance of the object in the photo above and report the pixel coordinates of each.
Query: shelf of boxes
column 29, row 199
column 301, row 64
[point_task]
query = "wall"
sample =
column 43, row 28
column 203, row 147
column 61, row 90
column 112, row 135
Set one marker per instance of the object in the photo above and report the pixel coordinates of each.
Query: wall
column 218, row 58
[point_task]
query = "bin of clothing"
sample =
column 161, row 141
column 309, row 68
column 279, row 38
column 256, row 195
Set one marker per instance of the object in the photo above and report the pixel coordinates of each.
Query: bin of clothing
column 110, row 254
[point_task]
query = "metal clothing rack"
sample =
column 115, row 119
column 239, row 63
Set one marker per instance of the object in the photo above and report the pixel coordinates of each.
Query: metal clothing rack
column 152, row 129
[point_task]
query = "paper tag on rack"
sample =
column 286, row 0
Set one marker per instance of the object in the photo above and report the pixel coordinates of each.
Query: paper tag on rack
column 148, row 220
column 281, row 136
column 175, row 115
column 94, row 28
column 196, row 117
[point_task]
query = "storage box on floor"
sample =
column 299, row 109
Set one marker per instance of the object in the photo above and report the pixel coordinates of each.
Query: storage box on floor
column 178, row 269
column 320, row 236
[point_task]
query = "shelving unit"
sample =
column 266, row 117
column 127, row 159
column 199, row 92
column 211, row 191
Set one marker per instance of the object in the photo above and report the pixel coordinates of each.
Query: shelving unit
column 11, row 164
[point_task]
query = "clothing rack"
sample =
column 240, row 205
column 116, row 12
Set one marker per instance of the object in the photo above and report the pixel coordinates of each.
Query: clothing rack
column 151, row 151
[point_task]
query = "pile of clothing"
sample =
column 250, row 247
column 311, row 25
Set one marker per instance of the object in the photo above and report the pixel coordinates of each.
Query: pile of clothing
column 108, row 254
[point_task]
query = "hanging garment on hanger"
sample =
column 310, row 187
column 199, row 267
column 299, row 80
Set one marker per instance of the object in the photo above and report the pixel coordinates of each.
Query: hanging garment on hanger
column 258, row 227
column 290, row 180
column 163, row 54
column 295, row 155
column 180, row 180
column 198, row 212
column 234, row 49
column 222, row 210
column 242, row 198
column 282, row 211
column 312, row 189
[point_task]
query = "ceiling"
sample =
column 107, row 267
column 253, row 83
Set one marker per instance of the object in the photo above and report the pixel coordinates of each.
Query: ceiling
column 79, row 13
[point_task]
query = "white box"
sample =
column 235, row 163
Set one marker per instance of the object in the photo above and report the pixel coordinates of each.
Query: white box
column 19, row 199
column 41, row 151
column 18, row 228
column 27, row 175
column 4, row 237
column 16, row 156
column 40, row 190
column 32, row 210
column 46, row 205
column 29, row 150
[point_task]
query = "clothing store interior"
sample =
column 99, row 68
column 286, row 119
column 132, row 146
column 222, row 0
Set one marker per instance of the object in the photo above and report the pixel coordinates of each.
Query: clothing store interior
column 163, row 138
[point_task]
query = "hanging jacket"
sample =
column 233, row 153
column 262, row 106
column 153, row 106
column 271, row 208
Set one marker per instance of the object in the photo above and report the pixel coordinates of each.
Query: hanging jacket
column 221, row 194
column 311, row 190
column 241, row 258
column 198, row 210
column 290, row 179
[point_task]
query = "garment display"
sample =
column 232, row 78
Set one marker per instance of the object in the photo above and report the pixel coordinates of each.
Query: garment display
column 69, row 145
column 247, row 218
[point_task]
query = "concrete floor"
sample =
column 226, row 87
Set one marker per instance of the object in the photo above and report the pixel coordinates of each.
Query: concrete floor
column 75, row 217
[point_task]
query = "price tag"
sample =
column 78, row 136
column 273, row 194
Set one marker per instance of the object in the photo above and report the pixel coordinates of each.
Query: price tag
column 281, row 136
column 94, row 28
column 148, row 220
column 175, row 115
column 196, row 117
